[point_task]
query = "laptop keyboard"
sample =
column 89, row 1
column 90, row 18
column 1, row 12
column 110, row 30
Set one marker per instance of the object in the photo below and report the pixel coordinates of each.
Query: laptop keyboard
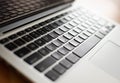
column 55, row 45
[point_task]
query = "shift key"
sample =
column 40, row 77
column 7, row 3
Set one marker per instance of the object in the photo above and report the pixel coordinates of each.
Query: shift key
column 86, row 46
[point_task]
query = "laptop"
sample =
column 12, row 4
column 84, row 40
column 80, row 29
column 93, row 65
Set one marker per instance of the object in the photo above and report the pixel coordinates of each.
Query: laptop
column 58, row 41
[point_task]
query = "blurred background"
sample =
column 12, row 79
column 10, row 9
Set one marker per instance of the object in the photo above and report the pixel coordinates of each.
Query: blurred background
column 107, row 8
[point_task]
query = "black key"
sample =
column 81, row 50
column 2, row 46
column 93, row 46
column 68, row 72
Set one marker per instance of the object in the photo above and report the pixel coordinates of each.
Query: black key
column 29, row 29
column 51, row 46
column 57, row 55
column 64, row 20
column 99, row 35
column 54, row 25
column 11, row 46
column 66, row 63
column 36, row 26
column 40, row 42
column 68, row 26
column 57, row 42
column 63, row 50
column 21, row 33
column 13, row 36
column 68, row 36
column 86, row 46
column 59, row 31
column 3, row 41
column 59, row 22
column 47, row 38
column 54, row 34
column 77, row 30
column 72, row 58
column 74, row 43
column 42, row 66
column 41, row 31
column 44, row 51
column 69, row 46
column 34, row 34
column 64, row 28
column 48, row 28
column 22, row 52
column 32, row 46
column 27, row 38
column 60, row 69
column 19, row 42
column 73, row 33
column 78, row 39
column 52, row 75
column 83, row 36
column 33, row 58
column 72, row 23
column 63, row 39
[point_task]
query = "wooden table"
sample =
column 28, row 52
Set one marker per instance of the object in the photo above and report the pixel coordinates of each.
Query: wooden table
column 108, row 8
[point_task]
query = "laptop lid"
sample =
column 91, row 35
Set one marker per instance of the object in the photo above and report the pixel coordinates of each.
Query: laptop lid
column 12, row 12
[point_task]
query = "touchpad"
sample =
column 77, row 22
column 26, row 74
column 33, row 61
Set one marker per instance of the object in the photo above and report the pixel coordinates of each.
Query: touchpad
column 108, row 59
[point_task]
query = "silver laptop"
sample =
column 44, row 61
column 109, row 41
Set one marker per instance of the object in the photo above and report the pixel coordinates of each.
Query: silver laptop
column 57, row 41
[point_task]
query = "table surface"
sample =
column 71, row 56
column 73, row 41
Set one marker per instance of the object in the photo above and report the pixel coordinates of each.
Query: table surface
column 107, row 8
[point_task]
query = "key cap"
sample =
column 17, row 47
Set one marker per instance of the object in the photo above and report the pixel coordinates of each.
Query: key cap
column 83, row 36
column 44, row 51
column 60, row 69
column 27, row 38
column 51, row 46
column 85, row 47
column 13, row 36
column 52, row 75
column 87, row 33
column 99, row 35
column 22, row 52
column 19, row 42
column 63, row 50
column 48, row 28
column 78, row 39
column 57, row 43
column 59, row 22
column 68, row 36
column 68, row 26
column 42, row 66
column 66, row 63
column 73, row 24
column 64, row 28
column 63, row 39
column 33, row 58
column 41, row 31
column 40, row 42
column 54, row 34
column 69, row 46
column 34, row 34
column 74, row 43
column 21, row 33
column 57, row 55
column 59, row 31
column 72, row 58
column 77, row 30
column 32, row 46
column 73, row 33
column 3, row 41
column 11, row 46
column 47, row 38
column 54, row 25
column 29, row 29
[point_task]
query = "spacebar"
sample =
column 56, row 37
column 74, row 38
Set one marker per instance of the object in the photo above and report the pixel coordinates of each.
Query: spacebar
column 86, row 46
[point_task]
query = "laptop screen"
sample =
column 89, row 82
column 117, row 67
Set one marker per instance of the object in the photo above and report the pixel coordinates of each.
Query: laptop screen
column 14, row 10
